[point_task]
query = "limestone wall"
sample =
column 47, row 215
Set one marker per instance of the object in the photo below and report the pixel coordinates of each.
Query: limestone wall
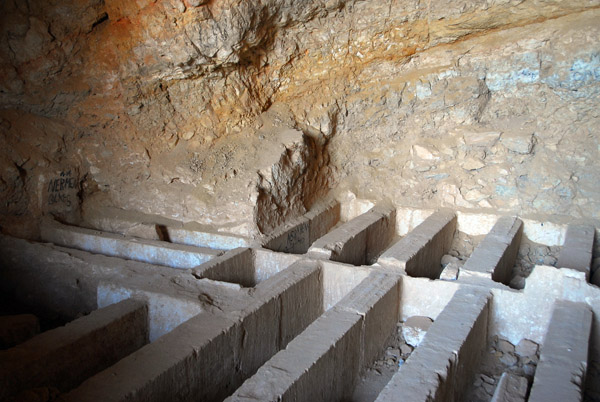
column 181, row 107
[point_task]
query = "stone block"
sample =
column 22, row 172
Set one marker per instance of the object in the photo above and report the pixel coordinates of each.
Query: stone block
column 65, row 356
column 318, row 365
column 210, row 355
column 450, row 272
column 577, row 250
column 495, row 256
column 259, row 340
column 154, row 227
column 151, row 251
column 381, row 233
column 203, row 349
column 236, row 266
column 377, row 299
column 526, row 348
column 191, row 236
column 441, row 367
column 297, row 235
column 347, row 243
column 561, row 371
column 293, row 237
column 322, row 218
column 299, row 293
column 419, row 253
column 359, row 240
column 518, row 142
column 415, row 328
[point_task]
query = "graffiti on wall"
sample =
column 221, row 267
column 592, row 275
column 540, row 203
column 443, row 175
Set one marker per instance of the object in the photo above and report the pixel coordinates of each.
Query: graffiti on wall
column 62, row 189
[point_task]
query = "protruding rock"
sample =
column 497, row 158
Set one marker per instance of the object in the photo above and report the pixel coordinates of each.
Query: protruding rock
column 509, row 359
column 481, row 139
column 415, row 328
column 447, row 259
column 518, row 142
column 526, row 348
column 472, row 164
column 406, row 349
column 450, row 272
column 505, row 346
column 425, row 152
column 518, row 282
column 196, row 3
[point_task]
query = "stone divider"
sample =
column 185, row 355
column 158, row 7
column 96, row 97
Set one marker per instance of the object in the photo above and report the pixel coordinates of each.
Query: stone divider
column 297, row 235
column 153, row 227
column 441, row 367
column 419, row 253
column 360, row 240
column 578, row 248
column 561, row 371
column 325, row 361
column 244, row 266
column 151, row 251
column 210, row 355
column 494, row 258
column 65, row 356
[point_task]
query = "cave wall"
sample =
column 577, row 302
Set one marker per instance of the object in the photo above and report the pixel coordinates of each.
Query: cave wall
column 233, row 113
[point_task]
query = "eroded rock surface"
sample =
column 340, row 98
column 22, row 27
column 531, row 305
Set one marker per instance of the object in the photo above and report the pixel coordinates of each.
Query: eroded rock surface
column 158, row 106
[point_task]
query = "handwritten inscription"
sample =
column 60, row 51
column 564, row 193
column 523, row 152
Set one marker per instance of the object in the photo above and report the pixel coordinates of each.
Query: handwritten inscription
column 297, row 239
column 61, row 189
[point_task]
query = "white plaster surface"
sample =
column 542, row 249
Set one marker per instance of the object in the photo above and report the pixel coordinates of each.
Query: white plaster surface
column 475, row 224
column 546, row 233
column 526, row 314
column 339, row 280
column 421, row 296
column 407, row 219
column 164, row 312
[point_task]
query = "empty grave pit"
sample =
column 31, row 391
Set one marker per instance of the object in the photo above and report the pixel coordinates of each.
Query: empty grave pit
column 341, row 201
column 506, row 248
column 246, row 267
column 300, row 324
column 423, row 243
column 72, row 282
column 320, row 365
column 275, row 313
column 250, row 268
column 326, row 233
column 325, row 282
column 404, row 234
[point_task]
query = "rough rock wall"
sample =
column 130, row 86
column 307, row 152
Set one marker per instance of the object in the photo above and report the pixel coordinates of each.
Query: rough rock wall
column 504, row 122
column 158, row 106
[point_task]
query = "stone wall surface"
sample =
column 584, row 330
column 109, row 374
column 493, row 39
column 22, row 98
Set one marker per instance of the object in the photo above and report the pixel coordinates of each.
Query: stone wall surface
column 239, row 114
